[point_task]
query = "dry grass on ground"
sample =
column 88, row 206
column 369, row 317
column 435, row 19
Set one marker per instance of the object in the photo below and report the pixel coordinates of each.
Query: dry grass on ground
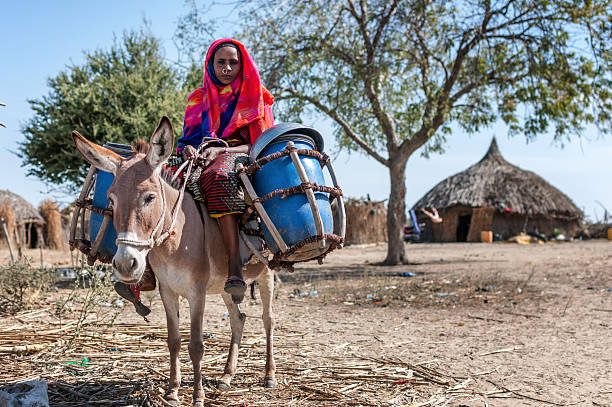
column 498, row 325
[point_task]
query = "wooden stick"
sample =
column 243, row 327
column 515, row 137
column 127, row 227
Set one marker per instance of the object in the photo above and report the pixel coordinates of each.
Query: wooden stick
column 485, row 318
column 8, row 239
column 101, row 232
column 524, row 395
column 308, row 191
column 77, row 210
column 252, row 248
column 520, row 314
column 341, row 209
column 261, row 211
column 500, row 351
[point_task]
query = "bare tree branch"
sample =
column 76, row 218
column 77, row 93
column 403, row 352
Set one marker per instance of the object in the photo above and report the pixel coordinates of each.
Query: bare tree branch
column 345, row 126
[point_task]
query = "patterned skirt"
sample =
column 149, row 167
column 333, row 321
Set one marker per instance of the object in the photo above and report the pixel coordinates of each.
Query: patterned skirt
column 217, row 185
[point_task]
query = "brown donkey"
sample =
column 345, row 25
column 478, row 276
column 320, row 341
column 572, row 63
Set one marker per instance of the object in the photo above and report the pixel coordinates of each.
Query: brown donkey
column 189, row 260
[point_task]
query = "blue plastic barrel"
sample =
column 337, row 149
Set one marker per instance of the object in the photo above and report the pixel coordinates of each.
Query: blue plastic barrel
column 103, row 182
column 107, row 247
column 292, row 215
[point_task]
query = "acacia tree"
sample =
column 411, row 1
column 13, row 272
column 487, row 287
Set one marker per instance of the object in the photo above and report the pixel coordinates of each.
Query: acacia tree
column 394, row 75
column 116, row 95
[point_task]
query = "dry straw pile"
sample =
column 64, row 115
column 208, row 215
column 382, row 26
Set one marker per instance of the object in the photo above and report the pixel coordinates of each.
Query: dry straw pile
column 9, row 216
column 366, row 221
column 128, row 364
column 54, row 233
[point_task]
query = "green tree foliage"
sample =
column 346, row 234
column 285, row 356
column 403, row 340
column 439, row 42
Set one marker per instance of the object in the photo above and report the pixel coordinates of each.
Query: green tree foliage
column 117, row 95
column 394, row 75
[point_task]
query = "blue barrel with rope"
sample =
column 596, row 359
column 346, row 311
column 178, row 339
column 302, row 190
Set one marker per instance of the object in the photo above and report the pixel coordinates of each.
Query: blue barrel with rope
column 104, row 180
column 291, row 185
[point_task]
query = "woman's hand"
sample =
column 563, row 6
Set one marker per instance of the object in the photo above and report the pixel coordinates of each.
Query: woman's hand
column 189, row 153
column 207, row 156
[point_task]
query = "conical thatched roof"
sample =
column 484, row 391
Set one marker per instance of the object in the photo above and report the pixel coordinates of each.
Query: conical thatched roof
column 24, row 211
column 493, row 182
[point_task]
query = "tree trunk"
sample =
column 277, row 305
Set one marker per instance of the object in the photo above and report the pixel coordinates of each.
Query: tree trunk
column 396, row 214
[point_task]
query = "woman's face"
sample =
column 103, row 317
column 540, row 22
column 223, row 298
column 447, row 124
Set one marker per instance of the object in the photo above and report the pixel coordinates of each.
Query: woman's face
column 227, row 64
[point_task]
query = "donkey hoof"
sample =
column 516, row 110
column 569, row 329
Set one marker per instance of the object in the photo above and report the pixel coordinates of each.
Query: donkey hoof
column 172, row 402
column 198, row 403
column 171, row 399
column 223, row 386
column 269, row 383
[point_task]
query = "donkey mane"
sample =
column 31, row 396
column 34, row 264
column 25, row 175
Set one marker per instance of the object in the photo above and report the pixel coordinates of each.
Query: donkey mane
column 141, row 146
column 166, row 173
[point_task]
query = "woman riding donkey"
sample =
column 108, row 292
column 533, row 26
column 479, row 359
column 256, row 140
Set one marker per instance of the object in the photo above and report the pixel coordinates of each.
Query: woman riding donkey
column 232, row 109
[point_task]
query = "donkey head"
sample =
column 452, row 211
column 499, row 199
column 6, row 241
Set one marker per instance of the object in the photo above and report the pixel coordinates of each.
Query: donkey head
column 136, row 195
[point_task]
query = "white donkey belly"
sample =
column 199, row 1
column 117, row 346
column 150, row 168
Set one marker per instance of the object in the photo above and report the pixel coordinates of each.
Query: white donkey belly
column 183, row 283
column 180, row 281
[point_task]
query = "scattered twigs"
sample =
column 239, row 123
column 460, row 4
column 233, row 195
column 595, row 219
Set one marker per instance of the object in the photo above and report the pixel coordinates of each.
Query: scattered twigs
column 124, row 364
column 486, row 318
column 525, row 396
column 512, row 349
column 566, row 305
column 495, row 370
column 518, row 314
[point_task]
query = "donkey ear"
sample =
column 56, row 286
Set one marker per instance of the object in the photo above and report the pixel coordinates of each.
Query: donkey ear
column 162, row 142
column 100, row 157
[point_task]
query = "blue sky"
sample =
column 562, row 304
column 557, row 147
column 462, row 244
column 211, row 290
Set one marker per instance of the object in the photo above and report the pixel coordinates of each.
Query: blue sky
column 40, row 38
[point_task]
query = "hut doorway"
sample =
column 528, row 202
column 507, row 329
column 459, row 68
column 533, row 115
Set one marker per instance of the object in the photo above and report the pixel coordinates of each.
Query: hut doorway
column 33, row 236
column 463, row 227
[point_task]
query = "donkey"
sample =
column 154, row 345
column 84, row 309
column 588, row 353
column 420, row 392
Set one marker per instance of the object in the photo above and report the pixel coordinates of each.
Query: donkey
column 189, row 261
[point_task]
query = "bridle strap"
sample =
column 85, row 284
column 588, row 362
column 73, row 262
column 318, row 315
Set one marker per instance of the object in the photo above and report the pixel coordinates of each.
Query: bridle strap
column 152, row 241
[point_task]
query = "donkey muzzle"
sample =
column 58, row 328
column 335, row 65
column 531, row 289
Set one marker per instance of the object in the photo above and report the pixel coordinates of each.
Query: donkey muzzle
column 129, row 263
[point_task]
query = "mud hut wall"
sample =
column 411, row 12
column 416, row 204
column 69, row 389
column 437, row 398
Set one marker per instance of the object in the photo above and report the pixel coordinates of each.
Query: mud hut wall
column 449, row 226
column 451, row 222
column 482, row 220
column 509, row 224
column 366, row 221
column 427, row 235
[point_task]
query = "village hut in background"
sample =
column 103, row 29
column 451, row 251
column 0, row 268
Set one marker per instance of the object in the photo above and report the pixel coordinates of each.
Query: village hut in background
column 54, row 232
column 366, row 221
column 29, row 224
column 494, row 195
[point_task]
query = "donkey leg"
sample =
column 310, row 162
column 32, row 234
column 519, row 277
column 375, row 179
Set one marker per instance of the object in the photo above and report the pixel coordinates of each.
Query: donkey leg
column 196, row 347
column 171, row 305
column 266, row 290
column 237, row 324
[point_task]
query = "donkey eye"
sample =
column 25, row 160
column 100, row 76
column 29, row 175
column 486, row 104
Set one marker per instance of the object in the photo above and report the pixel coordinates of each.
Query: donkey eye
column 149, row 198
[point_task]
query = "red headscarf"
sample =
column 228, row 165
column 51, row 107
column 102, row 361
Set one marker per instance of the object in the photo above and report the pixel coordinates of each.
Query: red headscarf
column 206, row 105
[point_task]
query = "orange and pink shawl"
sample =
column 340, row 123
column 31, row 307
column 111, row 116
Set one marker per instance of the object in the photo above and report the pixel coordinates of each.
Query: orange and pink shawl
column 206, row 105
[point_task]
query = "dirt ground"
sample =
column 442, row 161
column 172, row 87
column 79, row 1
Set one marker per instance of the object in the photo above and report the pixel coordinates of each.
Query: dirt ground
column 505, row 324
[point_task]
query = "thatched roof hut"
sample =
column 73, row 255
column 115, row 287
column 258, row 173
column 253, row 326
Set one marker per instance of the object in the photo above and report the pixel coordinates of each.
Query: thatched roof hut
column 29, row 222
column 494, row 195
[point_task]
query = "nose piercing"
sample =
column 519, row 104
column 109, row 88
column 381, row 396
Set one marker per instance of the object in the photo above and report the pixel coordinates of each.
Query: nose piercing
column 226, row 70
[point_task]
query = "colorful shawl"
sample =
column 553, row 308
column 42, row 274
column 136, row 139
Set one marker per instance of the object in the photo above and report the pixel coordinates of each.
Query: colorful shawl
column 214, row 109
